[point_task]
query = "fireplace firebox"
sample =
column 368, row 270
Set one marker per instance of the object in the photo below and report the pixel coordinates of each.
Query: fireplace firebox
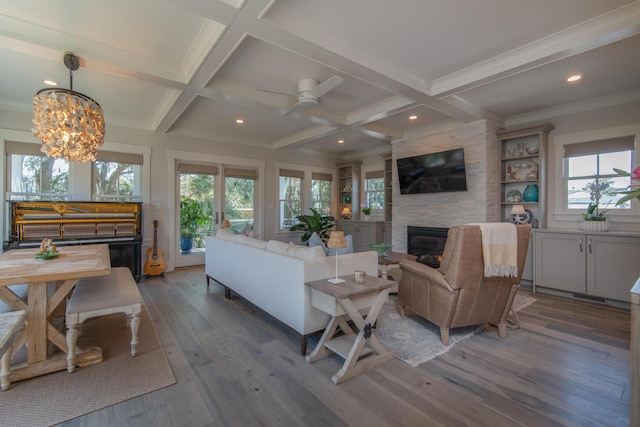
column 427, row 244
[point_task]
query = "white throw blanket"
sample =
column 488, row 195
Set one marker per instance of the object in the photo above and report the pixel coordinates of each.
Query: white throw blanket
column 499, row 249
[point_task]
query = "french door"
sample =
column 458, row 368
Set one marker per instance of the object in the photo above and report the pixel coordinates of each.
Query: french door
column 222, row 193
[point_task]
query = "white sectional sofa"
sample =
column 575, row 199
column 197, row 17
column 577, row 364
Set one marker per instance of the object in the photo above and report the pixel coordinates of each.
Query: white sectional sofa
column 272, row 276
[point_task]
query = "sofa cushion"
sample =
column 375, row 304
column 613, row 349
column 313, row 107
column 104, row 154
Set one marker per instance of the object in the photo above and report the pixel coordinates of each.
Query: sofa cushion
column 240, row 238
column 315, row 240
column 296, row 251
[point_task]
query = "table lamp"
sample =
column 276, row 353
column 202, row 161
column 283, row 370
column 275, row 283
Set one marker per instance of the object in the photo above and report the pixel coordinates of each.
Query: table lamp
column 336, row 241
column 225, row 224
column 346, row 213
column 519, row 214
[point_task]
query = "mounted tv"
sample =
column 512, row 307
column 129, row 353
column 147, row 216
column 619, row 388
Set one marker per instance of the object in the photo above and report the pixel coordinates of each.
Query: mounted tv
column 439, row 172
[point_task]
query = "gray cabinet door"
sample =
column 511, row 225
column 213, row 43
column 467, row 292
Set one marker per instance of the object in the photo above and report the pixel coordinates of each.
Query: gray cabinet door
column 612, row 265
column 560, row 261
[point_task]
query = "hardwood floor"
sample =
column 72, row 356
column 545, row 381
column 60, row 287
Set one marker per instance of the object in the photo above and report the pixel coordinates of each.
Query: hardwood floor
column 568, row 365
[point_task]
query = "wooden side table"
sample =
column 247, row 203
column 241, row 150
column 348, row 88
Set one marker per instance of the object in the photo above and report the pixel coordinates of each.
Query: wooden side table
column 346, row 302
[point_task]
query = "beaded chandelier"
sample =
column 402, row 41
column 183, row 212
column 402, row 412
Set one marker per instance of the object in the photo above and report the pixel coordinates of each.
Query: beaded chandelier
column 69, row 124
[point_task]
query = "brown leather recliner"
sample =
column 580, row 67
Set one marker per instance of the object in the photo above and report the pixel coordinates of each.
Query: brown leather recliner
column 457, row 294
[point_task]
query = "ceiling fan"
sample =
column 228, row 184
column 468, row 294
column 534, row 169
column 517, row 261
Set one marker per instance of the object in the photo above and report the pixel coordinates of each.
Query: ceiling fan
column 309, row 91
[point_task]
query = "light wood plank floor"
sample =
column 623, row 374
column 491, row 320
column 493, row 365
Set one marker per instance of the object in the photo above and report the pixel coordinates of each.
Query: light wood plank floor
column 568, row 365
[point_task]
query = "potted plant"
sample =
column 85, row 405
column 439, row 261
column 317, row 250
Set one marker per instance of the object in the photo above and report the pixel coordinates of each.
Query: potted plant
column 192, row 216
column 594, row 218
column 314, row 223
column 366, row 211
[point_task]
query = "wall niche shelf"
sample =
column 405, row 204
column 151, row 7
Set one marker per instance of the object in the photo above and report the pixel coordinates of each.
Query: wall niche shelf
column 523, row 157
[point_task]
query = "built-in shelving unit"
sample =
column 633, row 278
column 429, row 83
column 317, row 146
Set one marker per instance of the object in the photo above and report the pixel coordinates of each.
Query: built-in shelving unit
column 388, row 193
column 349, row 188
column 523, row 155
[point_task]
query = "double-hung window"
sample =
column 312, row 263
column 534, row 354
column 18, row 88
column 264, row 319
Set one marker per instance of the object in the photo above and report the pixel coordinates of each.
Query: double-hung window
column 374, row 190
column 321, row 192
column 290, row 197
column 589, row 176
column 33, row 175
column 117, row 177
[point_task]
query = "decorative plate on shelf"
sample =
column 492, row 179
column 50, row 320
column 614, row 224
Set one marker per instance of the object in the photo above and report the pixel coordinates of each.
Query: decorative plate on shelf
column 47, row 254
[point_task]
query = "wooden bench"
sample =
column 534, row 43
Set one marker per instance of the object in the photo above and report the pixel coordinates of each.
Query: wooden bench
column 116, row 292
column 11, row 324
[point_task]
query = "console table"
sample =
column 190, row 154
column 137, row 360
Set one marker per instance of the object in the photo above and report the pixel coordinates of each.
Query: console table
column 346, row 302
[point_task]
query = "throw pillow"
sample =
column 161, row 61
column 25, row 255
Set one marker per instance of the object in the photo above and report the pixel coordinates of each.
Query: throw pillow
column 315, row 240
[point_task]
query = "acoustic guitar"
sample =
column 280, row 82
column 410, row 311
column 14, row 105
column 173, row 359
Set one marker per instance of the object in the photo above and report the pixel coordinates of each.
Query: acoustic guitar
column 155, row 265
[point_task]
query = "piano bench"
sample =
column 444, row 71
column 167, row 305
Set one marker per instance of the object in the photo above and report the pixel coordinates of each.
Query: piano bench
column 97, row 296
column 11, row 324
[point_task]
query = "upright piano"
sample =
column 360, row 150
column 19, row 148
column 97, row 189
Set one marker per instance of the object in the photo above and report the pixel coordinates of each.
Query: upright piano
column 119, row 224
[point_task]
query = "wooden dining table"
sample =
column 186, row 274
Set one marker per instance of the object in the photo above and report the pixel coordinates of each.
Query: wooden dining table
column 49, row 282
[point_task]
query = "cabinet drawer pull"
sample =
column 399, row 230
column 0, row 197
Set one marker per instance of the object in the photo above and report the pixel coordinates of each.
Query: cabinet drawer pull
column 590, row 251
column 580, row 244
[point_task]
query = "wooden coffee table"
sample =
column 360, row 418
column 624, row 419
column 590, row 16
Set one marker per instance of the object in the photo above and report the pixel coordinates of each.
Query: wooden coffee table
column 346, row 302
column 393, row 259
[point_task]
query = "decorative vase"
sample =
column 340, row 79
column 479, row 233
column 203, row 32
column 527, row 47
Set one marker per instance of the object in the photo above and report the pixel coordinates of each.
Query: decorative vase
column 186, row 244
column 530, row 193
column 367, row 217
column 594, row 226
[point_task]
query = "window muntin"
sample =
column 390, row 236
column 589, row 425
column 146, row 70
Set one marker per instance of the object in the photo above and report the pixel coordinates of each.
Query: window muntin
column 34, row 177
column 374, row 193
column 321, row 196
column 584, row 173
column 290, row 199
column 114, row 181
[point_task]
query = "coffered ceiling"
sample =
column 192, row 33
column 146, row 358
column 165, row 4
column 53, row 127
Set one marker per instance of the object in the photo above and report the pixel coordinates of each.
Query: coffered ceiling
column 192, row 67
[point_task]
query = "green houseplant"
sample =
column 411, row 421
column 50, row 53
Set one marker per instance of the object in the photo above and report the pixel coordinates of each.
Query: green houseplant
column 366, row 211
column 315, row 222
column 192, row 216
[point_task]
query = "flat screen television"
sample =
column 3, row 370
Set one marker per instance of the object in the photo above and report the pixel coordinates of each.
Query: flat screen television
column 439, row 172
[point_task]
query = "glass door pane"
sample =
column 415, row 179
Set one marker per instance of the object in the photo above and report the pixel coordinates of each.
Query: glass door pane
column 239, row 203
column 197, row 206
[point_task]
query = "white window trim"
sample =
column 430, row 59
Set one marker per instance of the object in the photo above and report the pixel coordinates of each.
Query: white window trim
column 562, row 213
column 307, row 200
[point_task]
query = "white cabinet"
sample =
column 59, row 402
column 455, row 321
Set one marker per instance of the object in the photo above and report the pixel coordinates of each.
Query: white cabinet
column 603, row 265
column 363, row 233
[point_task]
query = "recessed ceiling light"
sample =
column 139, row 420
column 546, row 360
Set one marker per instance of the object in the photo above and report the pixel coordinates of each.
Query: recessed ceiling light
column 341, row 141
column 239, row 121
column 50, row 83
column 574, row 78
column 413, row 117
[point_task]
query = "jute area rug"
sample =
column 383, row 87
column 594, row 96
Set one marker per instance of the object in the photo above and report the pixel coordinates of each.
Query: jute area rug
column 58, row 397
column 415, row 340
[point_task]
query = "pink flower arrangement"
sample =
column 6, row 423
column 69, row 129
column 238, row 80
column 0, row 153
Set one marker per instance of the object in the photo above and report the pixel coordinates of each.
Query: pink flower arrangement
column 634, row 188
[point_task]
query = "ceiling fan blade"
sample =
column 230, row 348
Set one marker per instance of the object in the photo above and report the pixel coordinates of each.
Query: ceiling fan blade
column 326, row 86
column 276, row 92
column 292, row 109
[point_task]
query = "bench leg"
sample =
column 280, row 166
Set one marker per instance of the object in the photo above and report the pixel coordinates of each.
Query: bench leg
column 135, row 326
column 72, row 338
column 5, row 370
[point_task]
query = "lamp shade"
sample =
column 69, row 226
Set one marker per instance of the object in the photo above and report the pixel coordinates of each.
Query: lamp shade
column 225, row 224
column 346, row 211
column 518, row 210
column 336, row 240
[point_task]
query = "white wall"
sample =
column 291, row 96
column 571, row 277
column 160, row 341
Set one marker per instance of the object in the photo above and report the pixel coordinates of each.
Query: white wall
column 621, row 120
column 17, row 126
